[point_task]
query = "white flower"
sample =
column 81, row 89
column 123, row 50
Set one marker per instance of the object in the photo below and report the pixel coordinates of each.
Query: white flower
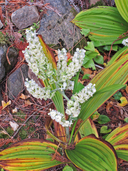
column 58, row 118
column 125, row 42
column 37, row 91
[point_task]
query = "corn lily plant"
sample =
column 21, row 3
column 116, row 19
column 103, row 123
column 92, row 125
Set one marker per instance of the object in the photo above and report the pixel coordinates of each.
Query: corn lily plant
column 88, row 153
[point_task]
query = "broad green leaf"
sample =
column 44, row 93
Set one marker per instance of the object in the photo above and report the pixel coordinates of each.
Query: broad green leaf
column 88, row 128
column 90, row 46
column 126, row 120
column 95, row 116
column 91, row 54
column 92, row 154
column 86, row 59
column 99, row 59
column 105, row 24
column 90, row 64
column 108, row 47
column 103, row 119
column 86, row 76
column 117, row 55
column 122, row 151
column 118, row 136
column 85, row 32
column 29, row 155
column 119, row 139
column 104, row 130
column 122, row 6
column 67, row 168
column 77, row 85
column 117, row 95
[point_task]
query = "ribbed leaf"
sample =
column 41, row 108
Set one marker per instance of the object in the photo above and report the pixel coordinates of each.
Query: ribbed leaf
column 92, row 154
column 48, row 53
column 60, row 131
column 105, row 24
column 119, row 54
column 88, row 128
column 122, row 151
column 122, row 6
column 119, row 139
column 118, row 136
column 31, row 154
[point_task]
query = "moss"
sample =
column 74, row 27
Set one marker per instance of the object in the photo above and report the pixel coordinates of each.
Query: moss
column 4, row 39
column 99, row 3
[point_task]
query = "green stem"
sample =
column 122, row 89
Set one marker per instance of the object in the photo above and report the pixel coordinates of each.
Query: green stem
column 67, row 132
column 62, row 92
column 72, row 132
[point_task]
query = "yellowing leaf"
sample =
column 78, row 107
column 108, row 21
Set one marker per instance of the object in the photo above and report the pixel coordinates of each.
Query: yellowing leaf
column 4, row 104
column 29, row 155
column 124, row 101
column 90, row 153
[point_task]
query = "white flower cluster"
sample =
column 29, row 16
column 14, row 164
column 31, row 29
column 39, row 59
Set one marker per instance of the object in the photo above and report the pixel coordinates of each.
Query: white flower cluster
column 37, row 91
column 73, row 105
column 40, row 65
column 125, row 42
column 36, row 58
column 66, row 72
column 59, row 117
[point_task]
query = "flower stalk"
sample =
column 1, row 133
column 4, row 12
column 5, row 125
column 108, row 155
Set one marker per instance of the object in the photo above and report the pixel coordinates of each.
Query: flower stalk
column 56, row 80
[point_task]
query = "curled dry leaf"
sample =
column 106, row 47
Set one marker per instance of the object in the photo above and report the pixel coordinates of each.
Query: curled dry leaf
column 24, row 97
column 14, row 110
column 4, row 104
column 14, row 125
column 27, row 103
column 124, row 102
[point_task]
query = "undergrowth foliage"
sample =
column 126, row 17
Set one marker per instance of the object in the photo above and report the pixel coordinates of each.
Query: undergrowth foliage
column 73, row 121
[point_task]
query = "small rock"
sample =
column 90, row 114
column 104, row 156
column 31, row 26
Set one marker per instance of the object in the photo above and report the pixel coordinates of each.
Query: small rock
column 58, row 28
column 3, row 50
column 25, row 16
column 1, row 94
column 1, row 24
column 4, row 66
column 15, row 81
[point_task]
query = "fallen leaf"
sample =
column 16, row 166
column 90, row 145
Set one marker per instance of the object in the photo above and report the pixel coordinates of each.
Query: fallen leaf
column 86, row 71
column 24, row 97
column 124, row 102
column 27, row 103
column 14, row 110
column 109, row 105
column 14, row 125
column 4, row 104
